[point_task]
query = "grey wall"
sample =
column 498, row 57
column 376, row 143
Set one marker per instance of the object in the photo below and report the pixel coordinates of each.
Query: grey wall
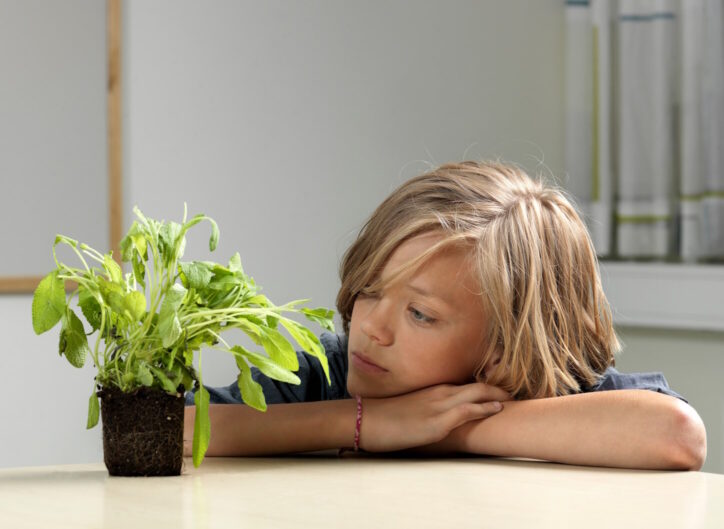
column 53, row 169
column 53, row 147
column 288, row 123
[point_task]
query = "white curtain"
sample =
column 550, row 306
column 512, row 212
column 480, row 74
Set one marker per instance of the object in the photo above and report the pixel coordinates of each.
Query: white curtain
column 588, row 115
column 645, row 125
column 702, row 129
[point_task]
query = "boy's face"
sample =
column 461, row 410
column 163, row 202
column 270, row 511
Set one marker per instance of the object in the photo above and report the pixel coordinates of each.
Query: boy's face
column 423, row 330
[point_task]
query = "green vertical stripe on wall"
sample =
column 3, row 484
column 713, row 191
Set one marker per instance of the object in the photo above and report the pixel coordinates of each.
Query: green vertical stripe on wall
column 641, row 219
column 595, row 194
column 700, row 196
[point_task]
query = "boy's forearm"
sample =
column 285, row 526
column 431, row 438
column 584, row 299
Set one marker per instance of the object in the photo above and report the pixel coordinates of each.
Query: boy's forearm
column 238, row 430
column 624, row 428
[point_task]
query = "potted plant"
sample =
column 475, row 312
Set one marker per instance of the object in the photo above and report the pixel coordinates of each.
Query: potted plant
column 150, row 323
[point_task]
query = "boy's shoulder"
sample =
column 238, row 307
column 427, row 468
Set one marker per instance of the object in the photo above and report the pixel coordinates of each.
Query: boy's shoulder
column 334, row 344
column 313, row 384
column 612, row 379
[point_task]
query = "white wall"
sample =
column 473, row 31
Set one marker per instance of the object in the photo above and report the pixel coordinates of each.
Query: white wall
column 288, row 122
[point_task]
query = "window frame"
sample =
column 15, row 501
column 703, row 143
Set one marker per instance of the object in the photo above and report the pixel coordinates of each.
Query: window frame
column 665, row 295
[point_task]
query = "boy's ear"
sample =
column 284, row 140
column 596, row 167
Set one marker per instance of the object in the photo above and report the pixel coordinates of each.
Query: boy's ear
column 492, row 362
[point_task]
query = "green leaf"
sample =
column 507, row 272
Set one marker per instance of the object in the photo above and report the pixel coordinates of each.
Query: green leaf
column 48, row 303
column 90, row 308
column 141, row 216
column 187, row 380
column 272, row 321
column 309, row 342
column 134, row 240
column 115, row 273
column 251, row 390
column 143, row 375
column 251, row 329
column 168, row 236
column 73, row 342
column 194, row 221
column 188, row 357
column 148, row 227
column 67, row 240
column 112, row 294
column 235, row 263
column 214, row 239
column 135, row 303
column 321, row 316
column 195, row 274
column 220, row 270
column 140, row 244
column 202, row 425
column 279, row 349
column 169, row 326
column 139, row 271
column 93, row 411
column 265, row 365
column 127, row 247
column 259, row 299
column 178, row 376
column 225, row 283
column 166, row 382
column 174, row 297
column 292, row 304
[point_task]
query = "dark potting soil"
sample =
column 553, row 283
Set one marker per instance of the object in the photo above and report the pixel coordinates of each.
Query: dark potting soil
column 142, row 432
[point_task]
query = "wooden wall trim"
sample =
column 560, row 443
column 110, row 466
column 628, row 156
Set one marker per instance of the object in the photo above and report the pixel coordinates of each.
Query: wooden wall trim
column 115, row 130
column 19, row 284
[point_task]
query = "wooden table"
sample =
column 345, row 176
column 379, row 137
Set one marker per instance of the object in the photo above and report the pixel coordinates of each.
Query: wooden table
column 322, row 490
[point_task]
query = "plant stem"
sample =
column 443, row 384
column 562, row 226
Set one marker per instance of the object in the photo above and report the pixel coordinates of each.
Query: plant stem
column 216, row 335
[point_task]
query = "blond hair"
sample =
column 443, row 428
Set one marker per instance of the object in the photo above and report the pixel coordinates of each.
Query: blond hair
column 546, row 311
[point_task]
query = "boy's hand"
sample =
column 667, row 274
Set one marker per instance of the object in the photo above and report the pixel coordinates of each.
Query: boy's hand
column 425, row 416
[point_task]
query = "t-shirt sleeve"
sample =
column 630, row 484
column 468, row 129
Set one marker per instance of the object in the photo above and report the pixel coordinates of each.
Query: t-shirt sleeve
column 313, row 387
column 655, row 381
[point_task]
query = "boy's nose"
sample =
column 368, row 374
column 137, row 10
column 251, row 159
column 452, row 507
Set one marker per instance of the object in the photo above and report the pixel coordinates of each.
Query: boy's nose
column 376, row 324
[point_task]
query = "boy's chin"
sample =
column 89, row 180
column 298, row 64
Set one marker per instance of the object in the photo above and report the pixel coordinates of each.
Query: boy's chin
column 357, row 387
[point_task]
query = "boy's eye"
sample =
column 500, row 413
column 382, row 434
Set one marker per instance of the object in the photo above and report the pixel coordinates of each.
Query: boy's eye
column 420, row 317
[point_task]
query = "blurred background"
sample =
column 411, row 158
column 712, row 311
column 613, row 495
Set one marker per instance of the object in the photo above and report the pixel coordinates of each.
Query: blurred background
column 288, row 122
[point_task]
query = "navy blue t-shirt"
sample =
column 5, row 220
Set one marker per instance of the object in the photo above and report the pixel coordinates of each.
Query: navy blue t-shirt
column 314, row 386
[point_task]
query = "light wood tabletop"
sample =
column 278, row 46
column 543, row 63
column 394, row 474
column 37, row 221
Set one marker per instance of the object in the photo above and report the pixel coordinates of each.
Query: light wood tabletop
column 320, row 489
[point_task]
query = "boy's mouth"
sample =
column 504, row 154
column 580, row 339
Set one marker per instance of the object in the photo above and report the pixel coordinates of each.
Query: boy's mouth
column 366, row 364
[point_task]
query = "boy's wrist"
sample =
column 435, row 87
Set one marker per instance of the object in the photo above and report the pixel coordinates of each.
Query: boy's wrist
column 457, row 440
column 342, row 424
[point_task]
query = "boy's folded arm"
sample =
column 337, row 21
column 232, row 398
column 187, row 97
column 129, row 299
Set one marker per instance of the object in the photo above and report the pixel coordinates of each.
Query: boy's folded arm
column 239, row 430
column 621, row 428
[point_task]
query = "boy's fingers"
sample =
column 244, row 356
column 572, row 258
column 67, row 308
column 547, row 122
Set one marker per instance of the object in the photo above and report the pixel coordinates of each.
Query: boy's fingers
column 495, row 392
column 469, row 411
column 482, row 391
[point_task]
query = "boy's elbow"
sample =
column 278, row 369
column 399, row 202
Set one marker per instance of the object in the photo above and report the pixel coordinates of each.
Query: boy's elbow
column 688, row 451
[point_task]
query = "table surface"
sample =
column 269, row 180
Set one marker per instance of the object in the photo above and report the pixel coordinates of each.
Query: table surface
column 320, row 489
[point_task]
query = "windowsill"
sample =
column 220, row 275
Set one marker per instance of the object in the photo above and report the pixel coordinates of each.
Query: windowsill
column 674, row 296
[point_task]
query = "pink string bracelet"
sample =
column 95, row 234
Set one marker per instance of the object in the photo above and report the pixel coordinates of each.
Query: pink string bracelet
column 358, row 427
